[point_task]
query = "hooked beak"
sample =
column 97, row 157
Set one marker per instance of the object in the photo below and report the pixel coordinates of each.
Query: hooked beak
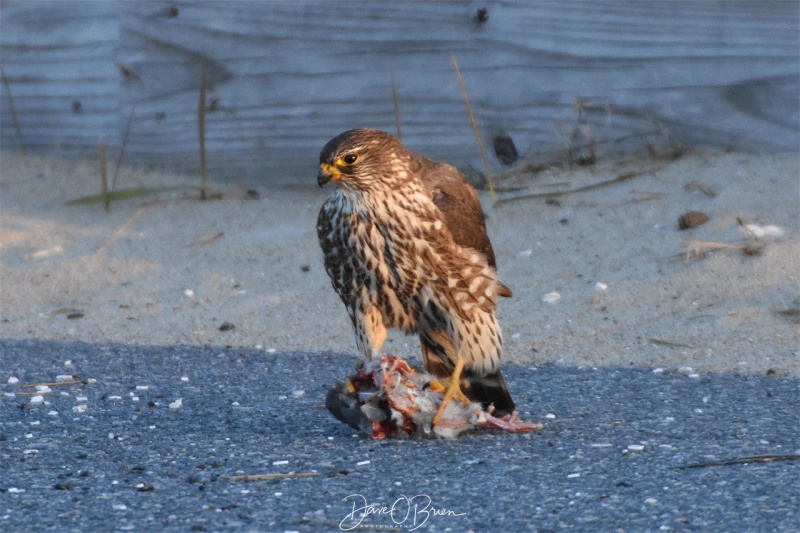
column 327, row 173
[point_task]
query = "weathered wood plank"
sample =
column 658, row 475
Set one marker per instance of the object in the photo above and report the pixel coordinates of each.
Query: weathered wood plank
column 58, row 59
column 287, row 76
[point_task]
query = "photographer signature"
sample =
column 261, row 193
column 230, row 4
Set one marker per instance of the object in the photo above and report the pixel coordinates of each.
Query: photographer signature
column 407, row 512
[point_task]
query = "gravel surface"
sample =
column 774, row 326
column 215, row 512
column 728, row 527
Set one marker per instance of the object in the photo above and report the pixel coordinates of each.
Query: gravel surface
column 610, row 457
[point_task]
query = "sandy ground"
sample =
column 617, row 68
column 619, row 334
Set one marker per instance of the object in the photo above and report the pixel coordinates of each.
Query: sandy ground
column 170, row 269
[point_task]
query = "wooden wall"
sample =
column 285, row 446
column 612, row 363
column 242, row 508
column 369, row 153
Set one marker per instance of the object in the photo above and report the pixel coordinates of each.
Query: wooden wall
column 286, row 76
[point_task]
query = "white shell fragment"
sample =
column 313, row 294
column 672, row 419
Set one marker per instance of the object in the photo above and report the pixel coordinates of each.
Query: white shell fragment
column 600, row 286
column 764, row 231
column 142, row 387
column 177, row 404
column 13, row 381
column 551, row 298
column 362, row 463
column 65, row 377
column 37, row 399
column 279, row 463
column 79, row 408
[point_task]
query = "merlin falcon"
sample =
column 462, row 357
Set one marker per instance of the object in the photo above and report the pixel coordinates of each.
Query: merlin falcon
column 405, row 245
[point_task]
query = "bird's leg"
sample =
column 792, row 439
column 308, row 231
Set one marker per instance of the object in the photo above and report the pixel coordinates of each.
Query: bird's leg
column 453, row 391
column 370, row 332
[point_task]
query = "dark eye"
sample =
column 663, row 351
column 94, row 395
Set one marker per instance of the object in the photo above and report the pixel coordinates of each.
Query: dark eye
column 350, row 159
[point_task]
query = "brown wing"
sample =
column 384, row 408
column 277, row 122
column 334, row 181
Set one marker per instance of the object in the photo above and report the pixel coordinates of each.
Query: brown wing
column 461, row 207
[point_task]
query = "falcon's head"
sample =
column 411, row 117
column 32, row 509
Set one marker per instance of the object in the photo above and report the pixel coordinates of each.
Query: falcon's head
column 362, row 159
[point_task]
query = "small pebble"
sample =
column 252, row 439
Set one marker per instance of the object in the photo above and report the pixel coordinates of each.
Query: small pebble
column 298, row 393
column 235, row 404
column 52, row 413
column 9, row 394
column 115, row 397
column 636, row 447
column 184, row 379
column 15, row 490
column 177, row 404
column 278, row 494
column 362, row 463
column 271, row 350
column 279, row 463
column 81, row 399
column 43, row 389
column 601, row 445
column 526, row 253
column 142, row 387
column 651, row 501
column 65, row 377
column 189, row 293
column 573, row 476
column 30, row 452
column 516, row 336
column 551, row 298
column 36, row 423
column 119, row 506
column 37, row 399
column 600, row 286
column 79, row 408
column 658, row 371
column 691, row 219
column 550, row 416
column 68, row 362
column 12, row 380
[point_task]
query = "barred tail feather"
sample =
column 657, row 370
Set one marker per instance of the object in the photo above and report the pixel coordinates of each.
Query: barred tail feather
column 488, row 389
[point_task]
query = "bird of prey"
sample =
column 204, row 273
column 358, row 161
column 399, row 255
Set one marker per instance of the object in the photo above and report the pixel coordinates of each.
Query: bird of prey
column 405, row 245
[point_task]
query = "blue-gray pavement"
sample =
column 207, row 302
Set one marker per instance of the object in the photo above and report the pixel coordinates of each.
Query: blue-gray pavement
column 610, row 459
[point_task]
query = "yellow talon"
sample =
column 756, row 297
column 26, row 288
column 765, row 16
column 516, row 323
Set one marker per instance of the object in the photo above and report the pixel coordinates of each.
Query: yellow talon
column 436, row 386
column 453, row 391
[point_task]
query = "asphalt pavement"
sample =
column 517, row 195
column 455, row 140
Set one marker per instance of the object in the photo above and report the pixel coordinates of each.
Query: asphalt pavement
column 151, row 438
